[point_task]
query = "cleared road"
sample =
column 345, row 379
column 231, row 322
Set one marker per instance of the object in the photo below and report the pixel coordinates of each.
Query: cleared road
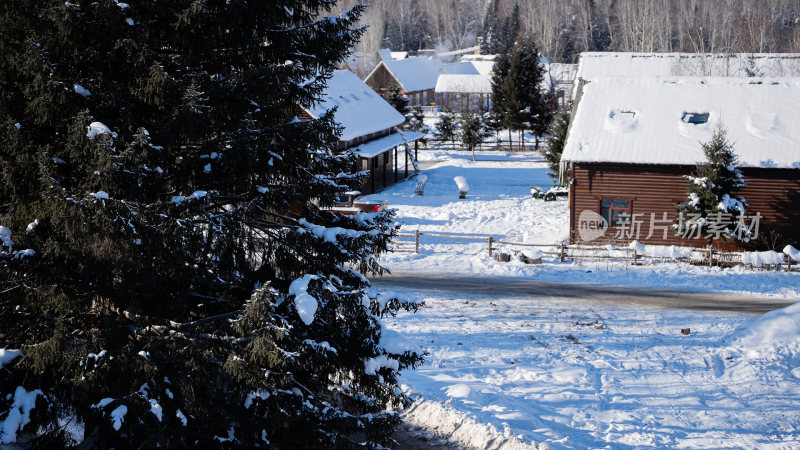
column 521, row 288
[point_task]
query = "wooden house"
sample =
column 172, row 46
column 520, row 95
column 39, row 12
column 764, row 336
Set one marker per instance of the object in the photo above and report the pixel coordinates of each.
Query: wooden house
column 416, row 76
column 368, row 123
column 632, row 141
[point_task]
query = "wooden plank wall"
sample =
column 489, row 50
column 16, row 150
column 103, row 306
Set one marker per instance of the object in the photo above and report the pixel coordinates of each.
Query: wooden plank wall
column 775, row 193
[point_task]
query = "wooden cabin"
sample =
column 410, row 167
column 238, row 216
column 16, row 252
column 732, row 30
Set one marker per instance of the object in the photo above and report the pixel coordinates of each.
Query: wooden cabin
column 632, row 141
column 368, row 123
column 416, row 76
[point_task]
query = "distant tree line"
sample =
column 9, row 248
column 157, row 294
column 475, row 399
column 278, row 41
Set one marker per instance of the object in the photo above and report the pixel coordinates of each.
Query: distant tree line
column 563, row 29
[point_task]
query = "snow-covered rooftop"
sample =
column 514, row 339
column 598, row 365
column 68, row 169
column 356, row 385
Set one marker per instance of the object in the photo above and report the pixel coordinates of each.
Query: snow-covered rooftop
column 473, row 84
column 602, row 64
column 378, row 146
column 648, row 120
column 459, row 68
column 414, row 74
column 360, row 110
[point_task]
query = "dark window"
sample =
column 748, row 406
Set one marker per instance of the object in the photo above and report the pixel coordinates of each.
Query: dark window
column 695, row 118
column 611, row 210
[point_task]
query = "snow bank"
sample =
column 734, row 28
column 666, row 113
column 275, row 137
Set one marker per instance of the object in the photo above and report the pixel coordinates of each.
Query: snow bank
column 762, row 258
column 437, row 419
column 304, row 303
column 19, row 415
column 792, row 252
column 660, row 251
column 397, row 344
column 781, row 326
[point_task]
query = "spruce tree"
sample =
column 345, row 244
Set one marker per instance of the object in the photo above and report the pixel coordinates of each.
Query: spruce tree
column 447, row 128
column 398, row 99
column 535, row 114
column 713, row 206
column 165, row 267
column 503, row 93
column 517, row 91
column 555, row 146
column 473, row 131
column 493, row 121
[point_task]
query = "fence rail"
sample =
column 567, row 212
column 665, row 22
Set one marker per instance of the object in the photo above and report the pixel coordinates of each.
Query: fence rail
column 707, row 256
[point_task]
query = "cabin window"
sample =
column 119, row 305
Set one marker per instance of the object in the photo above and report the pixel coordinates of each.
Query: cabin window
column 695, row 118
column 612, row 209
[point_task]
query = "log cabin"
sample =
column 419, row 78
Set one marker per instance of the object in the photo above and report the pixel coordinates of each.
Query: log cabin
column 368, row 127
column 632, row 140
column 416, row 77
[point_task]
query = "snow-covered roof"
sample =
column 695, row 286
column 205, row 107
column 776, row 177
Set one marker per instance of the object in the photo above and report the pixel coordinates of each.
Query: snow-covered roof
column 602, row 64
column 360, row 111
column 459, row 68
column 385, row 54
column 399, row 55
column 484, row 67
column 648, row 120
column 378, row 146
column 414, row 74
column 469, row 84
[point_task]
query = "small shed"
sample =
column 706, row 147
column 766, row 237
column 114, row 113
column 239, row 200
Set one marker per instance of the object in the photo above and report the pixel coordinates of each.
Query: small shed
column 632, row 141
column 368, row 126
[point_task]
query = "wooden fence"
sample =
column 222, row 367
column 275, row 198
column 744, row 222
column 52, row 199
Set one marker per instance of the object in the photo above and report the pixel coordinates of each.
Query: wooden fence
column 563, row 252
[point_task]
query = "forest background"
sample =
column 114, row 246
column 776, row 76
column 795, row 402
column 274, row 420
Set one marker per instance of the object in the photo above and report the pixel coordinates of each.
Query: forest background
column 565, row 28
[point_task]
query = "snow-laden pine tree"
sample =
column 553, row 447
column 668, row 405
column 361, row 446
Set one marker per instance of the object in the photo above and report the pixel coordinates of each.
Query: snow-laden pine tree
column 713, row 206
column 447, row 128
column 555, row 146
column 472, row 131
column 396, row 97
column 517, row 90
column 167, row 270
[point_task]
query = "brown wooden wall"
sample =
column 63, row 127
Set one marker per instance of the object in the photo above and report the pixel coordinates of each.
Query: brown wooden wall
column 381, row 79
column 775, row 193
column 384, row 170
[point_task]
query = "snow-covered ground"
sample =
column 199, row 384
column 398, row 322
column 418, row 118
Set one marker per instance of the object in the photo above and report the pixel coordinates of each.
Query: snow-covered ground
column 508, row 372
column 572, row 374
column 499, row 204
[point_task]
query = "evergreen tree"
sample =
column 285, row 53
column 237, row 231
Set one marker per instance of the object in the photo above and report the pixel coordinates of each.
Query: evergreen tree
column 473, row 131
column 447, row 128
column 555, row 146
column 517, row 91
column 535, row 114
column 164, row 267
column 415, row 121
column 712, row 206
column 504, row 93
column 398, row 99
column 493, row 121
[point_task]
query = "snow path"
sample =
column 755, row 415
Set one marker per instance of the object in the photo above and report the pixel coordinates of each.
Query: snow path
column 577, row 371
column 499, row 204
column 588, row 374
